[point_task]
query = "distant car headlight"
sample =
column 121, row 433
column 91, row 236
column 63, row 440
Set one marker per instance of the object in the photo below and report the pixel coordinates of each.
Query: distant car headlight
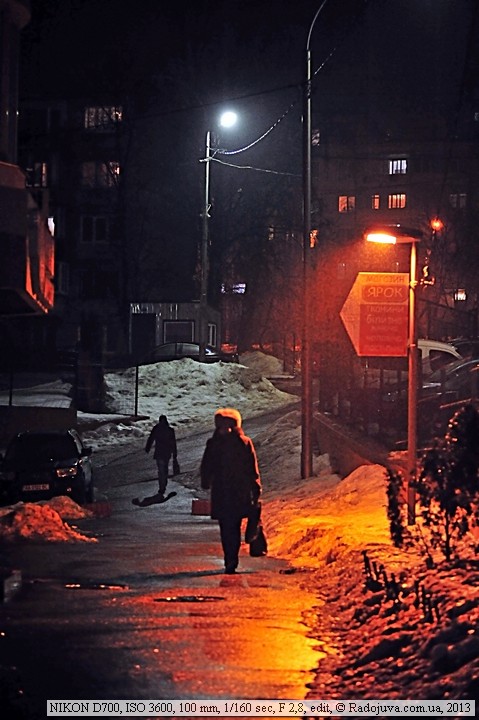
column 67, row 471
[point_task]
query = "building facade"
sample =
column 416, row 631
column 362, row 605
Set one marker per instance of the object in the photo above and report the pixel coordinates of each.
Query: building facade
column 26, row 242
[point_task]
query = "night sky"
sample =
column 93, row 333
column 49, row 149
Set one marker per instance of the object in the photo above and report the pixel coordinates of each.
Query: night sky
column 421, row 48
column 180, row 62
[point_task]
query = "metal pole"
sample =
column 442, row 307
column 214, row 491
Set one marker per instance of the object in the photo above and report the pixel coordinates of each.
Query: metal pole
column 412, row 392
column 306, row 375
column 204, row 260
column 137, row 377
column 306, row 356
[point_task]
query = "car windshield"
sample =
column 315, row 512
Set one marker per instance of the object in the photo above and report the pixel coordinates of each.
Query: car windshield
column 41, row 448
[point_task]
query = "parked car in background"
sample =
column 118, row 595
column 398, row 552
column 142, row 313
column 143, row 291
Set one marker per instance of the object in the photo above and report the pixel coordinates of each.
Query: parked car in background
column 178, row 350
column 436, row 354
column 39, row 465
column 392, row 372
column 466, row 347
column 442, row 393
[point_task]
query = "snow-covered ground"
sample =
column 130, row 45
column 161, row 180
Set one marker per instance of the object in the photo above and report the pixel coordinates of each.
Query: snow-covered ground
column 188, row 393
column 419, row 642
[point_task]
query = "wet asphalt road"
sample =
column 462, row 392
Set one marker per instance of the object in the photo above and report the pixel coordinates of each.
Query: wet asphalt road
column 146, row 612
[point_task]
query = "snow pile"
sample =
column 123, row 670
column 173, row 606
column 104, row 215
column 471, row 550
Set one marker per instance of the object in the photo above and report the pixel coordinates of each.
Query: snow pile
column 279, row 450
column 187, row 392
column 390, row 626
column 321, row 518
column 67, row 508
column 266, row 365
column 42, row 521
column 412, row 633
column 56, row 392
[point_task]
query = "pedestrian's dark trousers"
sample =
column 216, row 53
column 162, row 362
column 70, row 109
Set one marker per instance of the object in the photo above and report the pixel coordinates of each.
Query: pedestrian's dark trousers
column 230, row 532
column 162, row 465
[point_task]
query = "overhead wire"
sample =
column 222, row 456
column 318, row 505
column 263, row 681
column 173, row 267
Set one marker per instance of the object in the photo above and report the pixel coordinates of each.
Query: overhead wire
column 292, row 105
column 277, row 122
column 252, row 167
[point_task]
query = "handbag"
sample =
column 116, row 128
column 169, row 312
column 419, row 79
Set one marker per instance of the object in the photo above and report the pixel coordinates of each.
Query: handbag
column 253, row 523
column 176, row 467
column 259, row 546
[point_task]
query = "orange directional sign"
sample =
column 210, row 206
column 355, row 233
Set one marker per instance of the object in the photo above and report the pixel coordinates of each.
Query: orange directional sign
column 375, row 314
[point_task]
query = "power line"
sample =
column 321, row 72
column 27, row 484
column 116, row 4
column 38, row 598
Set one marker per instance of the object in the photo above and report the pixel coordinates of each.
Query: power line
column 251, row 167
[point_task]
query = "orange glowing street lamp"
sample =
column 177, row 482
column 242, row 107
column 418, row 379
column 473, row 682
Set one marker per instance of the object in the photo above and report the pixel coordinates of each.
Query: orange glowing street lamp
column 436, row 224
column 395, row 234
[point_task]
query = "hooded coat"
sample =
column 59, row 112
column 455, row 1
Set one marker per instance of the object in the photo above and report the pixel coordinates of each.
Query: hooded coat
column 230, row 469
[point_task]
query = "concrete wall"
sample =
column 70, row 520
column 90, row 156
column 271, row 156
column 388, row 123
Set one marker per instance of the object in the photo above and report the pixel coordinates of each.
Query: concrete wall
column 347, row 450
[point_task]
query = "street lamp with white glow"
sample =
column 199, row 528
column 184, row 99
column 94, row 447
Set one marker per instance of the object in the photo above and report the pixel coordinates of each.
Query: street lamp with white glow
column 227, row 120
column 396, row 234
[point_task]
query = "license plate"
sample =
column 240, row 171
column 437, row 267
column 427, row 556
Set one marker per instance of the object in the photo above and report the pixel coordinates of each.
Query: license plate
column 36, row 488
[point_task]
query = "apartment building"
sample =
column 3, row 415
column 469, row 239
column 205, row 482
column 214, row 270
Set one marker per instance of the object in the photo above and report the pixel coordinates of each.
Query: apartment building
column 26, row 242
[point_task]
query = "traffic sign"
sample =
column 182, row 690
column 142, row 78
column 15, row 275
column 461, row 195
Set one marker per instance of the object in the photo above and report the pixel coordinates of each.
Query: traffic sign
column 375, row 314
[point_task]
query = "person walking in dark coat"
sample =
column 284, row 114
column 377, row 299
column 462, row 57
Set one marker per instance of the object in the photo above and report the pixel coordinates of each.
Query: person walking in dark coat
column 164, row 438
column 229, row 468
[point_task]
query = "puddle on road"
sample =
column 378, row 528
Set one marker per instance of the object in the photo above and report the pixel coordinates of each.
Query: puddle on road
column 94, row 586
column 190, row 598
column 75, row 585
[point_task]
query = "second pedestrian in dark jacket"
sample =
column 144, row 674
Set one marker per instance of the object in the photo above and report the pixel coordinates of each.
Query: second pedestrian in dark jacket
column 230, row 469
column 164, row 438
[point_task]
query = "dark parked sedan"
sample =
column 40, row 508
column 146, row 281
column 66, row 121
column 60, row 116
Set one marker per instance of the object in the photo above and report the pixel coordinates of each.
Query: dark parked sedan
column 41, row 465
column 178, row 350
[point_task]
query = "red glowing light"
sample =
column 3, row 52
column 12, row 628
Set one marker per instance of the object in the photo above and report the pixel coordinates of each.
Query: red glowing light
column 437, row 224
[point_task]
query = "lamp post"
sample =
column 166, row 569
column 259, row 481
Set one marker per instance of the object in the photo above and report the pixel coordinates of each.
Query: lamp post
column 227, row 119
column 392, row 234
column 204, row 259
column 306, row 357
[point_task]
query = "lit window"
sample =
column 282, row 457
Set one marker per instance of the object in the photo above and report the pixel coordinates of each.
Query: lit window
column 346, row 203
column 233, row 289
column 375, row 202
column 102, row 118
column 94, row 229
column 398, row 166
column 100, row 174
column 460, row 295
column 458, row 200
column 396, row 201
